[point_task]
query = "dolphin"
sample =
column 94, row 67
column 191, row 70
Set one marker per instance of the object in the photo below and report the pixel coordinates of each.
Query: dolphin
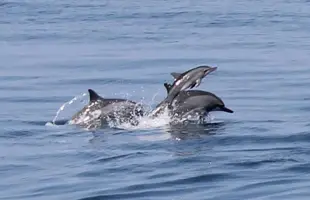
column 182, row 81
column 100, row 110
column 197, row 103
column 189, row 79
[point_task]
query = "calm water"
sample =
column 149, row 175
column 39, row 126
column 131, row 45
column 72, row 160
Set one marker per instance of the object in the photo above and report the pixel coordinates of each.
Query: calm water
column 53, row 51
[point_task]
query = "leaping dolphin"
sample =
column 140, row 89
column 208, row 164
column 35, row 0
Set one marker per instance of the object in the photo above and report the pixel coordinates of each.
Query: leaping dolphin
column 182, row 81
column 195, row 103
column 100, row 110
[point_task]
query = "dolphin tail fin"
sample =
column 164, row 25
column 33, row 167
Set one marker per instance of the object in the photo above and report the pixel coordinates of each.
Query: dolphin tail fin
column 175, row 75
column 93, row 96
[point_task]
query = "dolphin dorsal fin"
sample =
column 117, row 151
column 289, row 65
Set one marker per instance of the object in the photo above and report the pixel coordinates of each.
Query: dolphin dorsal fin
column 168, row 87
column 176, row 75
column 93, row 96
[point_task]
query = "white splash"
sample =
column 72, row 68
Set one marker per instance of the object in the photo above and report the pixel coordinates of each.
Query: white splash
column 91, row 117
column 61, row 109
column 147, row 122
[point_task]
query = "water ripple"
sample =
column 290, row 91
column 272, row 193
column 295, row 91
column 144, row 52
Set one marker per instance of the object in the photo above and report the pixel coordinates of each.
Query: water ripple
column 52, row 51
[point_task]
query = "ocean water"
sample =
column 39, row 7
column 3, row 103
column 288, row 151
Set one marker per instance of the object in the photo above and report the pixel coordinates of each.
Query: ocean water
column 53, row 51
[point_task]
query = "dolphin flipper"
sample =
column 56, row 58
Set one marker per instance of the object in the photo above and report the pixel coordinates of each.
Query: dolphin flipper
column 168, row 87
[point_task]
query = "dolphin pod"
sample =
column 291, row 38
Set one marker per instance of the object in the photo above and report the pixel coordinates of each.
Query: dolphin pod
column 181, row 102
column 182, row 81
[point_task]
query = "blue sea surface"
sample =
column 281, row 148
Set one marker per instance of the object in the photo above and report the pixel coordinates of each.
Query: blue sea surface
column 53, row 51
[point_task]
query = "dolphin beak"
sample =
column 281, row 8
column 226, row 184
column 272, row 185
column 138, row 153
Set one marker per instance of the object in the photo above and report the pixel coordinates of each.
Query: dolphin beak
column 226, row 110
column 211, row 69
